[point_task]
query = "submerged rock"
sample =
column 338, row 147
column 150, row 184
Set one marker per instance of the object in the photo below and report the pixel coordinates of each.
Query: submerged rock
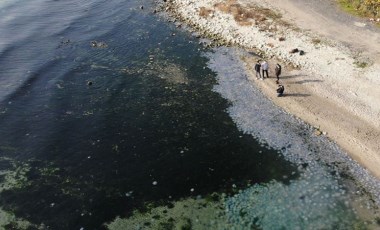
column 97, row 44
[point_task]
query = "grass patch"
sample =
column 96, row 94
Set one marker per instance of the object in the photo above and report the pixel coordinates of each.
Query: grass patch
column 361, row 64
column 248, row 15
column 205, row 13
column 363, row 8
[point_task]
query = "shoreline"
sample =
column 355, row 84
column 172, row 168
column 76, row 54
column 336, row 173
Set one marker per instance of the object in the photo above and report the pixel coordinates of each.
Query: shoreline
column 326, row 87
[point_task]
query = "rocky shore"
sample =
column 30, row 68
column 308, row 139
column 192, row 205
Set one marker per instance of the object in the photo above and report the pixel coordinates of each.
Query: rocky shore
column 332, row 86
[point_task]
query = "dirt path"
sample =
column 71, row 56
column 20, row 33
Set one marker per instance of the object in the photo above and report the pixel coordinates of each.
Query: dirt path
column 304, row 98
column 325, row 18
column 307, row 98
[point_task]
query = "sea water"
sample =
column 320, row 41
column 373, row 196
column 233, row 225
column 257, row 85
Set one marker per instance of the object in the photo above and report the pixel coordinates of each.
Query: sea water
column 112, row 117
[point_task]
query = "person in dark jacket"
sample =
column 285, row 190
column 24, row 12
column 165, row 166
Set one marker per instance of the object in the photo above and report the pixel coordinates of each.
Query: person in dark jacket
column 280, row 90
column 257, row 69
column 277, row 70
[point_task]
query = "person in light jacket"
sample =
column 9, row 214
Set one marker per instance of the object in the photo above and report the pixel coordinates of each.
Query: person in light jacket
column 264, row 68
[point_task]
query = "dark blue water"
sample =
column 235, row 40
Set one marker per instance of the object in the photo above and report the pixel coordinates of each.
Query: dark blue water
column 101, row 98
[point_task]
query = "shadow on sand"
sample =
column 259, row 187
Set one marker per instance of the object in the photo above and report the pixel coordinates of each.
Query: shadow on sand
column 292, row 76
column 296, row 95
column 307, row 81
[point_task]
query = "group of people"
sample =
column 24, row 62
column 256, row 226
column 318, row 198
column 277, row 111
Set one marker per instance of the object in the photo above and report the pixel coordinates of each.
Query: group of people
column 262, row 68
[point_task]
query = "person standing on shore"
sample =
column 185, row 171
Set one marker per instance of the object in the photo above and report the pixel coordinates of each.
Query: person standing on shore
column 257, row 69
column 265, row 67
column 278, row 72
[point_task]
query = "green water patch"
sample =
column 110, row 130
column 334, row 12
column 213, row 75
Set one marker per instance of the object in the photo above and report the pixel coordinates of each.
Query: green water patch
column 34, row 185
column 299, row 205
column 188, row 213
column 12, row 176
column 10, row 221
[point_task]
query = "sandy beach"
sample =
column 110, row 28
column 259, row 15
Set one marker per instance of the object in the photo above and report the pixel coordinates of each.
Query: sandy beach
column 334, row 86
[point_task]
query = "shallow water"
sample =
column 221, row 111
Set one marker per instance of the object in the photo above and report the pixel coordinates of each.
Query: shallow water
column 107, row 109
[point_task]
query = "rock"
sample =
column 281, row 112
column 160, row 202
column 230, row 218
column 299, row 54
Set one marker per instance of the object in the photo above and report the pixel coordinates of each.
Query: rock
column 128, row 194
column 97, row 44
column 359, row 24
column 294, row 51
column 89, row 83
column 281, row 39
column 142, row 7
